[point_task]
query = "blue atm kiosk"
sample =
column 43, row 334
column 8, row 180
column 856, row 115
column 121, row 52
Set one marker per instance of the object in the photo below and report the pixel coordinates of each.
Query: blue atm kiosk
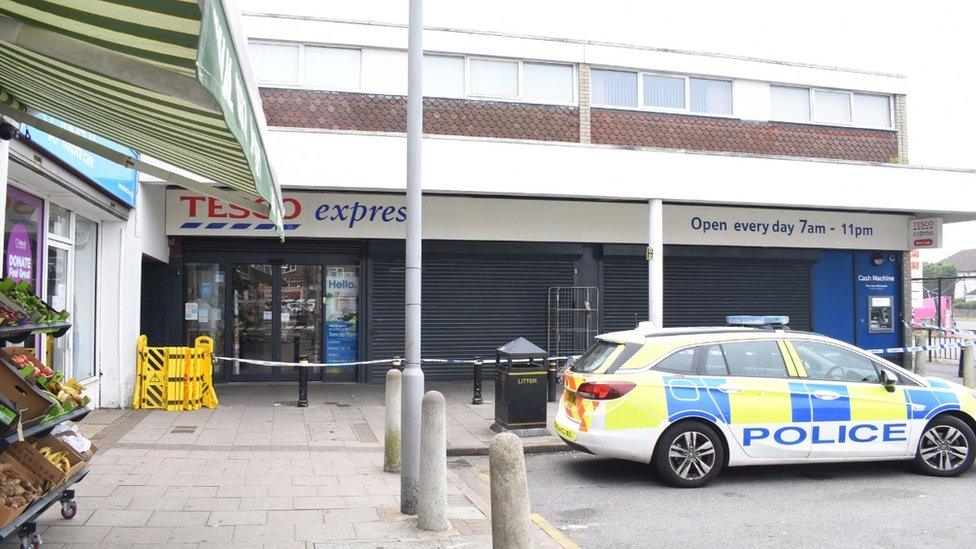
column 857, row 297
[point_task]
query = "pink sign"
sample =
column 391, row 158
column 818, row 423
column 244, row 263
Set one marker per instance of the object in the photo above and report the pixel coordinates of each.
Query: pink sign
column 18, row 254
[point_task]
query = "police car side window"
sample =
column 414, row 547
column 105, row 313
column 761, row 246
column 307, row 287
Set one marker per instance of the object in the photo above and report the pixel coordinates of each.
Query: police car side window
column 715, row 361
column 754, row 359
column 678, row 362
column 827, row 362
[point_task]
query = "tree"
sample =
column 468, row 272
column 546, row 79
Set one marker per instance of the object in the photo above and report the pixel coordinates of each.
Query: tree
column 939, row 269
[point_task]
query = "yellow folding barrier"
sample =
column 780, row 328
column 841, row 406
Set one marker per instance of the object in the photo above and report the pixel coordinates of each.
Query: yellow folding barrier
column 174, row 378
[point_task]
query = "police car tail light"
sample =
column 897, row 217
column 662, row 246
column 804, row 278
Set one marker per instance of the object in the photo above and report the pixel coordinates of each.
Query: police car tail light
column 604, row 390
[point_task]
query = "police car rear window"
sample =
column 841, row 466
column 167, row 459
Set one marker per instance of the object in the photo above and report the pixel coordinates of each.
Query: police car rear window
column 594, row 357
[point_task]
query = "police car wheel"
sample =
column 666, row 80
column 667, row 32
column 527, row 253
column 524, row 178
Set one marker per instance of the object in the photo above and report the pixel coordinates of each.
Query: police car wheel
column 689, row 455
column 947, row 447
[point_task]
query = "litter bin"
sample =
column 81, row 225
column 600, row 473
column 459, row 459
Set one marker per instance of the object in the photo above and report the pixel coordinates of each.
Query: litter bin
column 520, row 388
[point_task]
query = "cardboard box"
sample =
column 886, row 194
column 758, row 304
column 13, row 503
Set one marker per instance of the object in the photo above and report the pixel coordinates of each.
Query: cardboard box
column 39, row 465
column 8, row 514
column 24, row 394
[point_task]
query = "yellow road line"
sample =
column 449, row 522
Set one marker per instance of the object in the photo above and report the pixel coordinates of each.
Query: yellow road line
column 553, row 532
column 542, row 523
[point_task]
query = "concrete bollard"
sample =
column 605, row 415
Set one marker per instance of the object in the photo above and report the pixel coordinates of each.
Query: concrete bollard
column 919, row 358
column 511, row 525
column 968, row 373
column 432, row 499
column 391, row 439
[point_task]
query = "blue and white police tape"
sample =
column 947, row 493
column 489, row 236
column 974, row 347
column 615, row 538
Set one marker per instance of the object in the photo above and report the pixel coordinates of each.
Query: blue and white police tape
column 396, row 362
column 923, row 348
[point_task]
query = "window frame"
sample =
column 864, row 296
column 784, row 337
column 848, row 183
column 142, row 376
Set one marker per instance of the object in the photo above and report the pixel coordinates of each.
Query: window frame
column 467, row 77
column 687, row 85
column 520, row 76
column 812, row 94
column 301, row 68
column 301, row 83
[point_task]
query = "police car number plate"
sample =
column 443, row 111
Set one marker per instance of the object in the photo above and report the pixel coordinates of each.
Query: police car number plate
column 564, row 432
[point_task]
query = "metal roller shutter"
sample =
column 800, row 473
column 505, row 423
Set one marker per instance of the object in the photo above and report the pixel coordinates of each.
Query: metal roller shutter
column 701, row 291
column 470, row 307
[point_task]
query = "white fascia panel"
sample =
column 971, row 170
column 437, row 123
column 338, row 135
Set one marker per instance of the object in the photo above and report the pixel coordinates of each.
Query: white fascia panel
column 346, row 161
column 567, row 51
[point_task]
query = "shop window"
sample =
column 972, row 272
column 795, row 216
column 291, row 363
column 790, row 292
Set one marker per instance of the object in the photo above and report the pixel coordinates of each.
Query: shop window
column 204, row 307
column 83, row 313
column 57, row 297
column 59, row 221
column 22, row 236
column 342, row 313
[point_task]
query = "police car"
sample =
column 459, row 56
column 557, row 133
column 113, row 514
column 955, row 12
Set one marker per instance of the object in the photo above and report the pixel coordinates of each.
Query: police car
column 694, row 400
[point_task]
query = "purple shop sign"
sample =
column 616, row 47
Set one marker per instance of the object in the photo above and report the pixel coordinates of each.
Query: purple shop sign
column 19, row 256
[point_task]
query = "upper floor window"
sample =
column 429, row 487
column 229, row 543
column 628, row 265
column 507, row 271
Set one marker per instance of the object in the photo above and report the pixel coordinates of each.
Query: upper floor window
column 493, row 78
column 305, row 65
column 332, row 68
column 457, row 76
column 275, row 63
column 443, row 76
column 793, row 104
column 667, row 92
column 613, row 88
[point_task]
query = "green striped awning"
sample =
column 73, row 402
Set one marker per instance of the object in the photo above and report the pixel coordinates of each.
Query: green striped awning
column 162, row 77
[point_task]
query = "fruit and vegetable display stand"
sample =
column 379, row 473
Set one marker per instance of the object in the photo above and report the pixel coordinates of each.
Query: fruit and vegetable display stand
column 42, row 454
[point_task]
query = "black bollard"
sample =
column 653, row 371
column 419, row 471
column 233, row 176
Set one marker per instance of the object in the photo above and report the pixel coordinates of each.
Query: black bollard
column 551, row 378
column 476, row 399
column 303, row 382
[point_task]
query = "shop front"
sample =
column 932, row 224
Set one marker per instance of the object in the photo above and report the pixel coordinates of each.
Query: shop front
column 59, row 201
column 273, row 305
column 333, row 291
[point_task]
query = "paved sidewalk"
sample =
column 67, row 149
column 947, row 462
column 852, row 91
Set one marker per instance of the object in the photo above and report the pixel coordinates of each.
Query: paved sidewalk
column 344, row 416
column 257, row 472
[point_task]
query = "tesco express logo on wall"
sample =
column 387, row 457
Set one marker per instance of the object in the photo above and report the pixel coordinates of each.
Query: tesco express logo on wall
column 202, row 214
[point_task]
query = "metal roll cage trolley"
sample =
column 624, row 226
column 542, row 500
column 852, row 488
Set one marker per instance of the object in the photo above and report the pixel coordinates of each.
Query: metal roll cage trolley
column 24, row 525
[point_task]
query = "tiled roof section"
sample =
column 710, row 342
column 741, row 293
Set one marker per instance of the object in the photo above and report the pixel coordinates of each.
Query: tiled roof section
column 965, row 261
column 388, row 113
column 704, row 133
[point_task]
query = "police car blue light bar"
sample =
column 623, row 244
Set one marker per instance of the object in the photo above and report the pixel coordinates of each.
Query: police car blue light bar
column 757, row 320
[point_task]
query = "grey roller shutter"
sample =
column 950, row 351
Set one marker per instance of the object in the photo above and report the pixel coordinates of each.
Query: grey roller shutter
column 471, row 305
column 702, row 291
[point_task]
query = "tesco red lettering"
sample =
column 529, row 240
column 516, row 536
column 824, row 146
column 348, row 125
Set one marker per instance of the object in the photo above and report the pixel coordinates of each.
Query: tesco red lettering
column 214, row 208
column 192, row 200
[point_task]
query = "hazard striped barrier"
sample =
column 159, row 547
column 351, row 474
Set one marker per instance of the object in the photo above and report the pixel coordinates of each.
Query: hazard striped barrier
column 174, row 378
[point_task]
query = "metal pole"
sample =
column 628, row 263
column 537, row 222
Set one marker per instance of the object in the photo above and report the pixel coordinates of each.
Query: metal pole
column 655, row 263
column 938, row 306
column 413, row 375
column 4, row 163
